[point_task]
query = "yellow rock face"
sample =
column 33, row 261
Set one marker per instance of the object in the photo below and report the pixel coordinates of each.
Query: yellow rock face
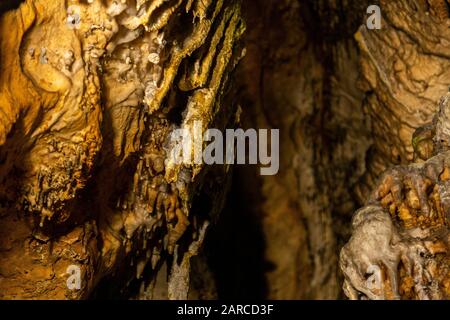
column 89, row 94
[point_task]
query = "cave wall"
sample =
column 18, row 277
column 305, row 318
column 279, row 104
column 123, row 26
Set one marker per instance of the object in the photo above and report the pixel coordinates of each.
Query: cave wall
column 404, row 73
column 400, row 246
column 298, row 75
column 90, row 92
column 347, row 100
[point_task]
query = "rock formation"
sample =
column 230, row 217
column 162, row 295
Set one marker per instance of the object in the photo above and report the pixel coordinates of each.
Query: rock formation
column 405, row 70
column 90, row 92
column 400, row 242
column 404, row 73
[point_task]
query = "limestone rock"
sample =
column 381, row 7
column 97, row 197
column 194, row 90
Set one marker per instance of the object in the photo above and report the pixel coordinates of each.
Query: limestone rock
column 90, row 92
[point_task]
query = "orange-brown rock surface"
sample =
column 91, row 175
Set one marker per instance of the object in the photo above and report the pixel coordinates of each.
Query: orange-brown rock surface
column 405, row 70
column 89, row 94
column 92, row 90
column 400, row 242
column 348, row 100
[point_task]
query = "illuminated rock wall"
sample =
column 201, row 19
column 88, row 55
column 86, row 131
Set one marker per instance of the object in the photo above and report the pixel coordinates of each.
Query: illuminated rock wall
column 89, row 93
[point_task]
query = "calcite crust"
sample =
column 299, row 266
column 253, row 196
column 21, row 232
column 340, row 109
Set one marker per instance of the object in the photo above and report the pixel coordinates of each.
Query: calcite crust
column 90, row 92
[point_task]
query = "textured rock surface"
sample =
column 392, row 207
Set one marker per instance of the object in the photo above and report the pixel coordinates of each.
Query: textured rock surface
column 405, row 70
column 348, row 107
column 298, row 76
column 400, row 242
column 89, row 93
